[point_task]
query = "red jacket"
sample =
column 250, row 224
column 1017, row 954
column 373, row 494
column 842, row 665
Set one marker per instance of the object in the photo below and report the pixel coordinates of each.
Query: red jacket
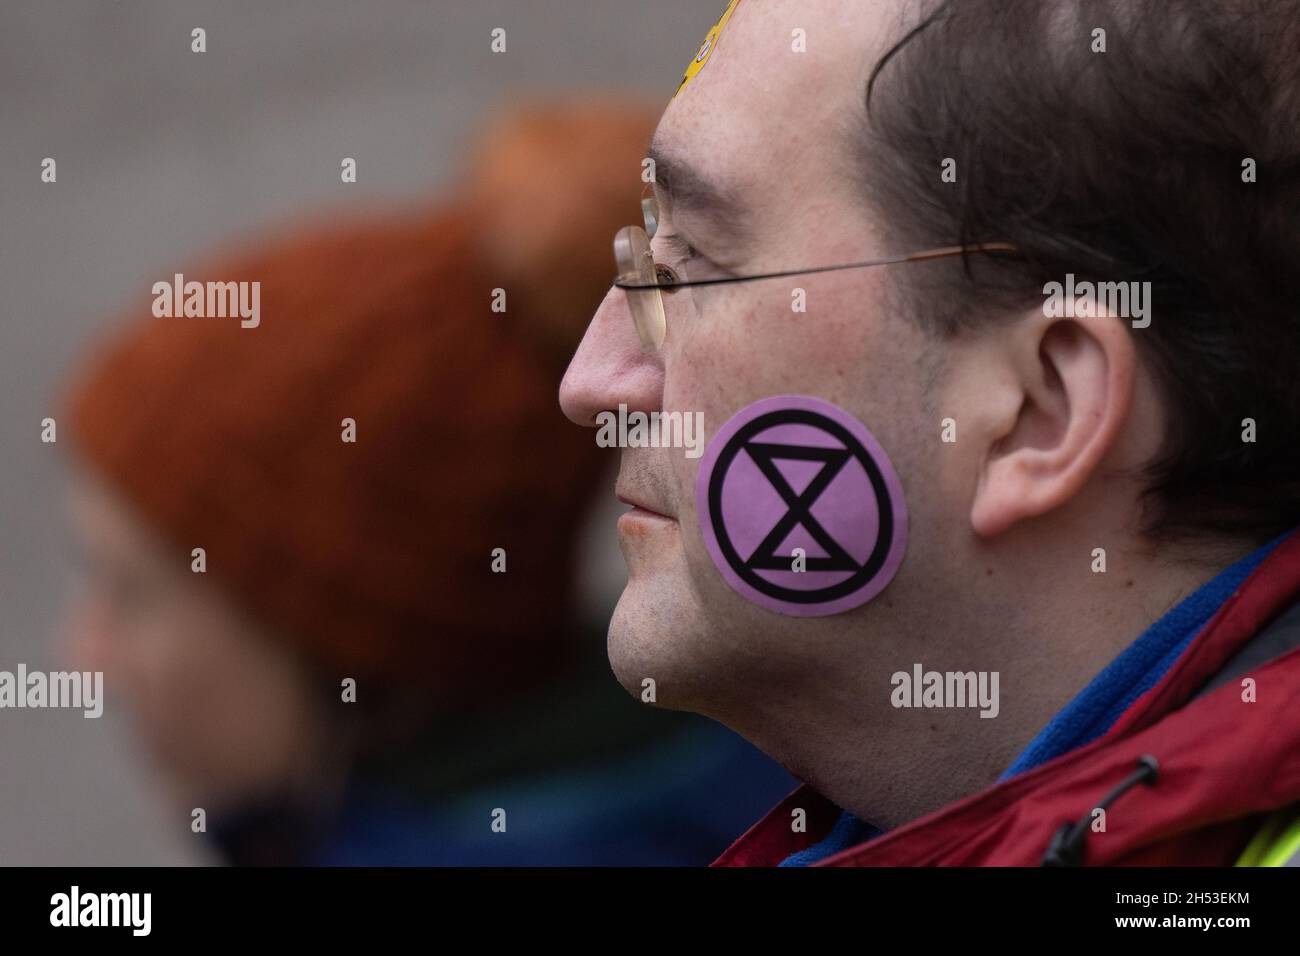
column 1223, row 763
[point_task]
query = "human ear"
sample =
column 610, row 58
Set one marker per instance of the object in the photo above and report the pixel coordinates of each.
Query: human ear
column 1063, row 392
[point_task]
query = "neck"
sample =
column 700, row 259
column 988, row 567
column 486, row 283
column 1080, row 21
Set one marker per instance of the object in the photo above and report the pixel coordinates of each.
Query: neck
column 855, row 730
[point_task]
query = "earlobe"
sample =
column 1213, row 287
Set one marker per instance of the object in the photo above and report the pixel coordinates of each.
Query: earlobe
column 1073, row 378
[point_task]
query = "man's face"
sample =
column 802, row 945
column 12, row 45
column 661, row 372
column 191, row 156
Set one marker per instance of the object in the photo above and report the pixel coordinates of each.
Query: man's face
column 772, row 130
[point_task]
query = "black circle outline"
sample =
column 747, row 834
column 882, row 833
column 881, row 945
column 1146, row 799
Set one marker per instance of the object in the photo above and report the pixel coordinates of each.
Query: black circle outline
column 884, row 506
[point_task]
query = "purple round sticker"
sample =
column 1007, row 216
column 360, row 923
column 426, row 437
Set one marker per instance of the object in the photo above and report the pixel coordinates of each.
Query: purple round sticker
column 794, row 472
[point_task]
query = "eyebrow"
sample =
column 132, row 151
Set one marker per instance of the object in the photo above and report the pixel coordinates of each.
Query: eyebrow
column 689, row 190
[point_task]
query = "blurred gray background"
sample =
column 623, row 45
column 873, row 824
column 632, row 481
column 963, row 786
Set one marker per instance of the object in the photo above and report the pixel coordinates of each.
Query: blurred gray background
column 163, row 152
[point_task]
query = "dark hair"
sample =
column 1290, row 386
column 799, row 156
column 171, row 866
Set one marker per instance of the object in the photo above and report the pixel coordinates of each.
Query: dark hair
column 1125, row 166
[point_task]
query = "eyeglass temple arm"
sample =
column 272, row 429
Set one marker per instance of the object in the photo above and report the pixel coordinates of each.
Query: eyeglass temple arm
column 945, row 251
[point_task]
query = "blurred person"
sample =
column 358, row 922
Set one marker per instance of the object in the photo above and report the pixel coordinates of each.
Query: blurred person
column 1074, row 510
column 350, row 671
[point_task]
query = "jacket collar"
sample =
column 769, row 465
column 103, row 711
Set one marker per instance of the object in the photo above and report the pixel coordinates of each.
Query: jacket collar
column 1222, row 760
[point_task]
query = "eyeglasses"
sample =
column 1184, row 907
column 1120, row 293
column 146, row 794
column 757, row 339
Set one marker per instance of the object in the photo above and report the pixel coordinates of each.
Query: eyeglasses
column 644, row 280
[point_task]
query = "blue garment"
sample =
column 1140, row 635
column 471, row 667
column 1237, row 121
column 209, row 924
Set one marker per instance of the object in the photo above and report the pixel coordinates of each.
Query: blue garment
column 1097, row 707
column 679, row 802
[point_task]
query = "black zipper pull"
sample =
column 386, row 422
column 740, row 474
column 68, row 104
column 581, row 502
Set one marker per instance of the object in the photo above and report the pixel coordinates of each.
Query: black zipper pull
column 1067, row 845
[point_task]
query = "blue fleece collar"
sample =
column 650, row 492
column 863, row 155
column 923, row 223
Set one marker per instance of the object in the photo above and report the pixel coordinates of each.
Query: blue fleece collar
column 1137, row 669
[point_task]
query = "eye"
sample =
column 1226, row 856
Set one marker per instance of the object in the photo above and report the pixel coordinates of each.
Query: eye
column 677, row 249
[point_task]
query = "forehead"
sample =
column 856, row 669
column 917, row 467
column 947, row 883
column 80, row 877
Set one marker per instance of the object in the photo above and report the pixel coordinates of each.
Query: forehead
column 762, row 112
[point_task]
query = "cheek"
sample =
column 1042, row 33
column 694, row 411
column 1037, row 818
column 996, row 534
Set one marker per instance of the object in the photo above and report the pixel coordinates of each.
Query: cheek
column 748, row 349
column 735, row 353
column 223, row 697
column 163, row 678
column 744, row 347
column 219, row 662
column 842, row 358
column 184, row 663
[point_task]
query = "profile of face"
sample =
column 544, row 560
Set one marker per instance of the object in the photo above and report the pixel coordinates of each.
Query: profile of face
column 226, row 713
column 757, row 172
column 752, row 175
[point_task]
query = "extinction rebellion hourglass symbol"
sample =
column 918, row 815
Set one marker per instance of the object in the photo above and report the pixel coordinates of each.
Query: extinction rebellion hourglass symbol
column 795, row 472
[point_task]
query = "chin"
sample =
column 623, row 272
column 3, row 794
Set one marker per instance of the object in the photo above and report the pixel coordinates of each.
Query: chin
column 630, row 658
column 655, row 634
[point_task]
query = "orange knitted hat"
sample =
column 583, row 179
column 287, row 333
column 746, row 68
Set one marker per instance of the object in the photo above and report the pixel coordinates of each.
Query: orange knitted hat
column 374, row 556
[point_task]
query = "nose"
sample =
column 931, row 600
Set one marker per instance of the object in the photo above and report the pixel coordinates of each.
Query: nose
column 610, row 367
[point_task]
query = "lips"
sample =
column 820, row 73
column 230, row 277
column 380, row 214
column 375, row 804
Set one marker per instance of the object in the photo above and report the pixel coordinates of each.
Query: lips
column 640, row 509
